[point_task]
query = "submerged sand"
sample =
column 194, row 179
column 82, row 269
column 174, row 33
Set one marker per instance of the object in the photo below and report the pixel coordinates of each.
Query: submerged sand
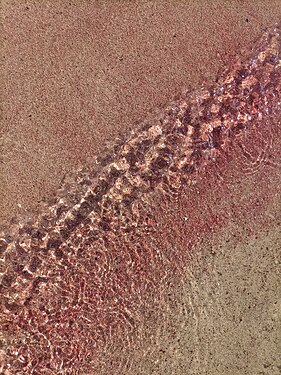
column 220, row 314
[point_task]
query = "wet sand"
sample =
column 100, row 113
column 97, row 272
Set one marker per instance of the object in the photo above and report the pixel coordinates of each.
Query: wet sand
column 77, row 75
column 221, row 316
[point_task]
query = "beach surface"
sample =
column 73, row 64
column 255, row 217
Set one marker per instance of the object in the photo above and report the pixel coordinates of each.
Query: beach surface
column 77, row 76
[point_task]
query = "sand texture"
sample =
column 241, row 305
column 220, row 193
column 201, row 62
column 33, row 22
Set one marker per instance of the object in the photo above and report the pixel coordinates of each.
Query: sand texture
column 161, row 253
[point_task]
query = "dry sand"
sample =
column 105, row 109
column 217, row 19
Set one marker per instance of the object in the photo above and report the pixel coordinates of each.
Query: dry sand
column 79, row 73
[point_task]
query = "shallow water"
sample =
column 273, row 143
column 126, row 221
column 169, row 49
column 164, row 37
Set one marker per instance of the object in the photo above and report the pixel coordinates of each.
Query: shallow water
column 80, row 274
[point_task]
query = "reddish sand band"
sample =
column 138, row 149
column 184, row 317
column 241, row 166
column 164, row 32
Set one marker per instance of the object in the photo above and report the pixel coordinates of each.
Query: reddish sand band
column 80, row 272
